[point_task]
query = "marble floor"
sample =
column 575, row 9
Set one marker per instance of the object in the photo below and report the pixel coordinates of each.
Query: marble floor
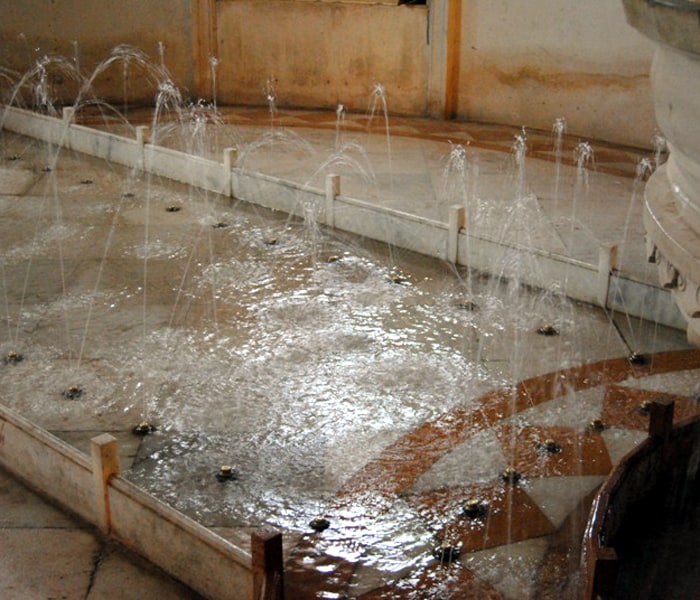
column 396, row 514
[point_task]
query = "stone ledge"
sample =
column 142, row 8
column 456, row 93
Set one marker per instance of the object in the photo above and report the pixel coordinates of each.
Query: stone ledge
column 675, row 248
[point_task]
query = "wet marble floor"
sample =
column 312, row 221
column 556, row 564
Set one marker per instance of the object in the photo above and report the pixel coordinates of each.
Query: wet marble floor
column 389, row 513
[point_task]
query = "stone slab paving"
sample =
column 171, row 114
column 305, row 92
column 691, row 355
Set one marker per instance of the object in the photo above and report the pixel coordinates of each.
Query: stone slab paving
column 45, row 553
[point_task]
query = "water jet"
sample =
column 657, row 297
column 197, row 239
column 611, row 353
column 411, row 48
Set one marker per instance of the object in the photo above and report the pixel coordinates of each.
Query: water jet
column 143, row 428
column 551, row 446
column 511, row 476
column 447, row 553
column 644, row 408
column 548, row 330
column 637, row 359
column 73, row 392
column 319, row 524
column 596, row 425
column 468, row 306
column 475, row 509
column 12, row 358
column 227, row 473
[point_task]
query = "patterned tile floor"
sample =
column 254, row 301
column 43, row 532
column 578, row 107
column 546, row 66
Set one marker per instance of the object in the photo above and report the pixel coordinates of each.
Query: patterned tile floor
column 529, row 511
column 541, row 513
column 571, row 212
column 524, row 542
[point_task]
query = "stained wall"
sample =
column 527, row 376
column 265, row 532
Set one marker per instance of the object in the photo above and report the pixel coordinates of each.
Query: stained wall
column 33, row 29
column 526, row 63
column 515, row 62
column 322, row 53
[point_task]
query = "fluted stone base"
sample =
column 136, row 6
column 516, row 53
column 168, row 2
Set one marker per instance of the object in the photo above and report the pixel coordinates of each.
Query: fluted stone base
column 672, row 211
column 675, row 248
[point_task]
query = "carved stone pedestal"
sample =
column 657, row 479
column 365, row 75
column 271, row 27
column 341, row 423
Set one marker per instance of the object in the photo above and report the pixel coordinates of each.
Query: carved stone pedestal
column 672, row 195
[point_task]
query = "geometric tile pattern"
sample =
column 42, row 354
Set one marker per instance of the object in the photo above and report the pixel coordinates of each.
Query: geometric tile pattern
column 548, row 502
column 515, row 514
column 509, row 516
column 626, row 407
column 574, row 452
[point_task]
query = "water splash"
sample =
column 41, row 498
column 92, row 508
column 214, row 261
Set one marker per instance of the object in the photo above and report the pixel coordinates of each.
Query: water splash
column 519, row 149
column 378, row 100
column 584, row 157
column 340, row 114
column 271, row 98
column 456, row 176
column 559, row 128
column 76, row 55
column 660, row 146
column 558, row 131
column 645, row 167
column 213, row 65
column 161, row 55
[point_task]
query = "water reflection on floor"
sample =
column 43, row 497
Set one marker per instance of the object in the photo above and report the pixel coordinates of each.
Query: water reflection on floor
column 340, row 377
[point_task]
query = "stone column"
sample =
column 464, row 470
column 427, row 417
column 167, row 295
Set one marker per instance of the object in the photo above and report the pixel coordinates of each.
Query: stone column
column 672, row 195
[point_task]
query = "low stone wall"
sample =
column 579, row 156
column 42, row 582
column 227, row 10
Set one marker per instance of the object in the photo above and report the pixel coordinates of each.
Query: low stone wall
column 600, row 284
column 47, row 463
column 672, row 195
column 662, row 462
column 93, row 489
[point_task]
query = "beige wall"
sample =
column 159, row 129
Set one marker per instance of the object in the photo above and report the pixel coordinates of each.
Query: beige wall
column 520, row 62
column 322, row 54
column 528, row 62
column 31, row 29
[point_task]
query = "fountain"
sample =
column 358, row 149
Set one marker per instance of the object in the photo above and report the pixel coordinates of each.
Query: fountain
column 672, row 205
column 378, row 388
column 227, row 473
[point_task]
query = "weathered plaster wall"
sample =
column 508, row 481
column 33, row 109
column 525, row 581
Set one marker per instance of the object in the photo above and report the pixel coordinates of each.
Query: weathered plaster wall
column 516, row 62
column 322, row 54
column 31, row 29
column 526, row 63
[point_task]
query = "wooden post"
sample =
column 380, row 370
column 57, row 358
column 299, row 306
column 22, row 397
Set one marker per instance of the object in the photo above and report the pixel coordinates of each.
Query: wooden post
column 661, row 420
column 456, row 221
column 230, row 158
column 605, row 572
column 332, row 191
column 68, row 113
column 142, row 133
column 607, row 263
column 268, row 571
column 105, row 463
